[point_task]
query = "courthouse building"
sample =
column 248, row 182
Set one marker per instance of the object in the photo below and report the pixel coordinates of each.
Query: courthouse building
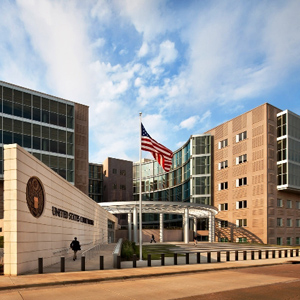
column 248, row 168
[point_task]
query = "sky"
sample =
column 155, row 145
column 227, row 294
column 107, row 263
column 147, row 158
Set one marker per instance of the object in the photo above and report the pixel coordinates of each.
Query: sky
column 187, row 65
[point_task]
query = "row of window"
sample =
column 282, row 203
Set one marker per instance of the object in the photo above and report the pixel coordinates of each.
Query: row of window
column 239, row 223
column 122, row 172
column 239, row 182
column 122, row 186
column 239, row 137
column 289, row 222
column 239, row 160
column 289, row 241
column 239, row 205
column 289, row 203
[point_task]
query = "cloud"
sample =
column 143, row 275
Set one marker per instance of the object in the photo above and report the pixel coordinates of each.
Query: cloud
column 143, row 50
column 167, row 54
column 189, row 123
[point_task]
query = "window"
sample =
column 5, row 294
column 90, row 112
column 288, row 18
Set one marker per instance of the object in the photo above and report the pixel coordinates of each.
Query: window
column 279, row 203
column 297, row 240
column 279, row 222
column 223, row 186
column 242, row 240
column 298, row 223
column 241, row 222
column 223, row 224
column 114, row 171
column 123, row 172
column 289, row 223
column 123, row 187
column 279, row 241
column 241, row 159
column 289, row 241
column 223, row 164
column 298, row 204
column 223, row 144
column 114, row 186
column 241, row 204
column 223, row 206
column 241, row 181
column 289, row 204
column 241, row 136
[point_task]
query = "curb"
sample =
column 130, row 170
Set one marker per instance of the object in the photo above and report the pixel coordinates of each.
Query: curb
column 121, row 277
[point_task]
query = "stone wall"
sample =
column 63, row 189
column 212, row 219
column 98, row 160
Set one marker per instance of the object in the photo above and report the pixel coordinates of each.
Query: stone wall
column 67, row 213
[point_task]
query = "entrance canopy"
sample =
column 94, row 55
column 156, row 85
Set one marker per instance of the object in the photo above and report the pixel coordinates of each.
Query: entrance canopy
column 160, row 207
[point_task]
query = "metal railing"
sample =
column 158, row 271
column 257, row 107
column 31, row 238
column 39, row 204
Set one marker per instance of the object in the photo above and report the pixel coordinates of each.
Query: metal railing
column 92, row 251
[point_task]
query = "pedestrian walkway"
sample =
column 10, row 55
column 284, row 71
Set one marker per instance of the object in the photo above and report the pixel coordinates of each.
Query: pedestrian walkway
column 90, row 264
column 127, row 272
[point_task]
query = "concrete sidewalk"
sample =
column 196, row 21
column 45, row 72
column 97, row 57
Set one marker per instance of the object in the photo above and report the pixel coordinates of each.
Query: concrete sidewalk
column 56, row 279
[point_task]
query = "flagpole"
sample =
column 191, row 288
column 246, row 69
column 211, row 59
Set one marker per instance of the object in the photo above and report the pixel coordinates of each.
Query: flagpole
column 140, row 195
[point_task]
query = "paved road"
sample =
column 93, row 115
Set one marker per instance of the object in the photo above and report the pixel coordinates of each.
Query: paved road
column 273, row 282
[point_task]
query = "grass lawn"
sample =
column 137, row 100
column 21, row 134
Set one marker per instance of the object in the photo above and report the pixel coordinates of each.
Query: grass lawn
column 157, row 249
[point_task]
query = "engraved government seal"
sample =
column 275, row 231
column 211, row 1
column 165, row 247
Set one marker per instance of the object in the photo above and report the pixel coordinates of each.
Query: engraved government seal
column 35, row 197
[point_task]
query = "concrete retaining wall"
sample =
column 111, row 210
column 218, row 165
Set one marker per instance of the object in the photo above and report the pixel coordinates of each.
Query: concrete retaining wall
column 26, row 237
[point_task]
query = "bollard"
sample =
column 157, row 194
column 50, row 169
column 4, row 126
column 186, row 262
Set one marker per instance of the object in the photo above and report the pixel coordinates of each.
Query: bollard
column 218, row 256
column 245, row 255
column 82, row 263
column 279, row 253
column 297, row 252
column 285, row 253
column 236, row 255
column 101, row 263
column 267, row 254
column 175, row 258
column 227, row 256
column 118, row 262
column 162, row 259
column 259, row 254
column 198, row 258
column 252, row 255
column 149, row 260
column 187, row 258
column 40, row 263
column 209, row 257
column 273, row 254
column 62, row 264
column 291, row 252
column 134, row 261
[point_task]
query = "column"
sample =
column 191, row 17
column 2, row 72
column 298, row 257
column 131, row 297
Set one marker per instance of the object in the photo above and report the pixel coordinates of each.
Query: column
column 135, row 224
column 129, row 226
column 195, row 226
column 186, row 225
column 161, row 227
column 211, row 228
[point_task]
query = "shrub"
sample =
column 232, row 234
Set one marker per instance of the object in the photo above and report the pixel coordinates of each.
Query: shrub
column 128, row 249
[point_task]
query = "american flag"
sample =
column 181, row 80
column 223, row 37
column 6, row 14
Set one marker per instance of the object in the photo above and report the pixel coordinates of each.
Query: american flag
column 162, row 154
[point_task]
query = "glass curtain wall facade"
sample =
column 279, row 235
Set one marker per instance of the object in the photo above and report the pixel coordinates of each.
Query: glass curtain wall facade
column 189, row 179
column 288, row 151
column 41, row 124
column 96, row 182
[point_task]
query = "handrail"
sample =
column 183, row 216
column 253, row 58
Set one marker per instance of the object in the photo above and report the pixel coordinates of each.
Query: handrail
column 61, row 250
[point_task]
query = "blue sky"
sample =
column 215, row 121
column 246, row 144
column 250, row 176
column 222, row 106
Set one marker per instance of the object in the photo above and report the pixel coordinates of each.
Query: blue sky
column 186, row 65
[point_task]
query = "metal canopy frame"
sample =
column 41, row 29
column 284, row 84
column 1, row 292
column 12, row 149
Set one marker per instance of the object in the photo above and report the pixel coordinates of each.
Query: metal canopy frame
column 158, row 207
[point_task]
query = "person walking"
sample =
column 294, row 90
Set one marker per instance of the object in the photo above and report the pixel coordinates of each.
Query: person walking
column 75, row 246
column 153, row 239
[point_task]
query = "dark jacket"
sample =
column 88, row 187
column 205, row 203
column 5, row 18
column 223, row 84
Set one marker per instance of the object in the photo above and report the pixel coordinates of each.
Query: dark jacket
column 75, row 246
